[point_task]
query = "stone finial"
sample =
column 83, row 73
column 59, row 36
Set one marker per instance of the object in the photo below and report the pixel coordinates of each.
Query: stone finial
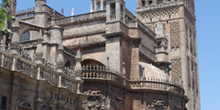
column 78, row 67
column 91, row 8
column 62, row 12
column 15, row 38
column 72, row 13
column 134, row 13
column 160, row 30
column 60, row 61
column 60, row 58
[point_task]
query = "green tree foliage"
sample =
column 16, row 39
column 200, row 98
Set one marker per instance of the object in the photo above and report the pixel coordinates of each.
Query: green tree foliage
column 4, row 14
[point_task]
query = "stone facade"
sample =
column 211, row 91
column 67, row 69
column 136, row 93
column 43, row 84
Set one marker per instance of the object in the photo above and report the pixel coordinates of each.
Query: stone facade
column 117, row 60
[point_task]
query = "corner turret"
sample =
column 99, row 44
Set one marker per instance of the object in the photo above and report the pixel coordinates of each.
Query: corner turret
column 162, row 58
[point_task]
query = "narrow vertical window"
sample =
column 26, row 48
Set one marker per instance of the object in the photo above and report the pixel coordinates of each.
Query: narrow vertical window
column 143, row 2
column 98, row 6
column 150, row 2
column 122, row 12
column 104, row 5
column 4, row 103
column 112, row 9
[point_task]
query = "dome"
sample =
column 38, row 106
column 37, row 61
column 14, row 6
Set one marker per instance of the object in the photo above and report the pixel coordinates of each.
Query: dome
column 150, row 71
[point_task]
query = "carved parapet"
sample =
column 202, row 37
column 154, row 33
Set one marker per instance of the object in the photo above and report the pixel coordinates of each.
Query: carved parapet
column 25, row 14
column 80, row 18
column 156, row 84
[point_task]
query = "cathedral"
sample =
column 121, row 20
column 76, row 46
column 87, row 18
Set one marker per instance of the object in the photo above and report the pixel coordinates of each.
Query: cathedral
column 107, row 59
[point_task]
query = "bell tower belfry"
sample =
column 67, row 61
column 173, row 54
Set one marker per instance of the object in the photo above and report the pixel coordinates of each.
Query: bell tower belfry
column 178, row 20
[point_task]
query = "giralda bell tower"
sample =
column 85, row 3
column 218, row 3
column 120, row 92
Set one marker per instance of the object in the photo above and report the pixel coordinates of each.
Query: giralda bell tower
column 178, row 18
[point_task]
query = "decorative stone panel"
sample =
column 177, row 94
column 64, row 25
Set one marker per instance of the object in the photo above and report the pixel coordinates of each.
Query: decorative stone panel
column 162, row 12
column 176, row 69
column 175, row 34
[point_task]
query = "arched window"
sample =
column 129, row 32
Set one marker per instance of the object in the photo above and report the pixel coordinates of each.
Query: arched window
column 143, row 2
column 150, row 2
column 68, row 64
column 25, row 37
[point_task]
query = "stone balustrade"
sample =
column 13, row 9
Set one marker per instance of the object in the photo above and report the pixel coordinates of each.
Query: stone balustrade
column 94, row 72
column 113, row 17
column 82, row 17
column 132, row 24
column 156, row 84
column 41, row 72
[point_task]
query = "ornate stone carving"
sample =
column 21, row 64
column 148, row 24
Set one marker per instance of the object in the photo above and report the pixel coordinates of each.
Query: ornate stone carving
column 175, row 34
column 86, row 40
column 95, row 101
column 176, row 71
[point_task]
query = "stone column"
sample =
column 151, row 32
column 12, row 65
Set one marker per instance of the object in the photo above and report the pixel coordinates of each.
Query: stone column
column 113, row 53
column 46, row 44
column 15, row 38
column 56, row 39
column 60, row 59
column 78, row 71
column 95, row 5
column 108, row 12
column 39, row 50
column 134, row 62
column 154, row 2
column 124, row 13
column 102, row 5
column 118, row 11
column 139, row 3
column 13, row 7
column 78, row 66
column 146, row 2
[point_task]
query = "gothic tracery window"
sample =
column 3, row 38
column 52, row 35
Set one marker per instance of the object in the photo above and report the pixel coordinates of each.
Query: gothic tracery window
column 25, row 36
